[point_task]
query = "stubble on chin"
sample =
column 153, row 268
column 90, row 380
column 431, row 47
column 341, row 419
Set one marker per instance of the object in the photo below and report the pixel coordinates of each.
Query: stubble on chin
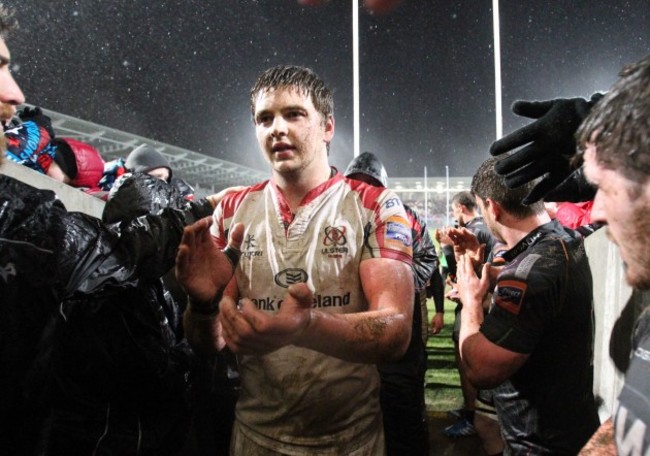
column 639, row 280
column 635, row 247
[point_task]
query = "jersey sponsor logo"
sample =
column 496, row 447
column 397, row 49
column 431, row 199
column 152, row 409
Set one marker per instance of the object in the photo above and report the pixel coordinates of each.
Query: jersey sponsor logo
column 392, row 202
column 331, row 301
column 320, row 301
column 334, row 241
column 290, row 276
column 509, row 295
column 250, row 244
column 398, row 229
column 266, row 303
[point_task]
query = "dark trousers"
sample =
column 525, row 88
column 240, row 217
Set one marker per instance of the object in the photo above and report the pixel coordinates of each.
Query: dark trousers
column 402, row 404
column 215, row 396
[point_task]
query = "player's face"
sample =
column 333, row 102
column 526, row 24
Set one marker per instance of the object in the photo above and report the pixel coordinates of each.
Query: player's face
column 457, row 212
column 489, row 218
column 625, row 206
column 10, row 93
column 291, row 133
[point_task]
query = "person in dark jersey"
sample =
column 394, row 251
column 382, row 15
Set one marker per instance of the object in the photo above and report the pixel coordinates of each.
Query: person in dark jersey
column 540, row 323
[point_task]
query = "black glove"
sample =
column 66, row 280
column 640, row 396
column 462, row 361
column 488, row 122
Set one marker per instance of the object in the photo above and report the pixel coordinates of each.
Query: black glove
column 36, row 115
column 549, row 143
column 574, row 189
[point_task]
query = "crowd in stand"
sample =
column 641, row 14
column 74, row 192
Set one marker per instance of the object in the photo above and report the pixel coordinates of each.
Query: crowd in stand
column 32, row 141
column 289, row 317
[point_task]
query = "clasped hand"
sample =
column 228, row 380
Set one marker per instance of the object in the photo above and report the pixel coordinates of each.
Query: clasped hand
column 470, row 287
column 204, row 271
column 466, row 243
column 248, row 330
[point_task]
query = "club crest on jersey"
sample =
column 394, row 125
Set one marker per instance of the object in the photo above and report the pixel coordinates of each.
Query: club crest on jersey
column 509, row 295
column 334, row 241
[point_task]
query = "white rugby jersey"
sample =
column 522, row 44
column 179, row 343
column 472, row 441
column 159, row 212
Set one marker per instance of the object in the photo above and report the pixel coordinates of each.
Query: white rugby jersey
column 296, row 396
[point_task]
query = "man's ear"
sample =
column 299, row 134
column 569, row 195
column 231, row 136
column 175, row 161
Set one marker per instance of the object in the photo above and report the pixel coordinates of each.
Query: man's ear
column 494, row 207
column 329, row 129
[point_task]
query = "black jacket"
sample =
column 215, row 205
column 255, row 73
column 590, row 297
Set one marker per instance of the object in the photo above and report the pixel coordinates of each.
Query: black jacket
column 48, row 254
column 117, row 355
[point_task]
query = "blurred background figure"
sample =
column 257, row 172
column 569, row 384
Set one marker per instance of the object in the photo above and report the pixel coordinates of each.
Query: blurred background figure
column 146, row 159
column 113, row 170
column 76, row 163
column 28, row 138
column 32, row 143
column 402, row 382
column 466, row 213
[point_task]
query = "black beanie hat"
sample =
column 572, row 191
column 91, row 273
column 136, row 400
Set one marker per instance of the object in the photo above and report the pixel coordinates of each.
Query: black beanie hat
column 64, row 157
column 144, row 158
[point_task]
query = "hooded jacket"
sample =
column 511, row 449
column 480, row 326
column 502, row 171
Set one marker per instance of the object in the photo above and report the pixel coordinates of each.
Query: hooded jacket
column 47, row 255
column 88, row 161
column 118, row 360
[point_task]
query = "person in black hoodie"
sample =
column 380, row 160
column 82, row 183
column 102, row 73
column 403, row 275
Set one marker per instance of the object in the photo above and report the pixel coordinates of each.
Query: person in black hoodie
column 401, row 394
column 215, row 379
column 118, row 363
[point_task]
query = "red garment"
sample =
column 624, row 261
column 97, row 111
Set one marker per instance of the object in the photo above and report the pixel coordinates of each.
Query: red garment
column 90, row 165
column 573, row 215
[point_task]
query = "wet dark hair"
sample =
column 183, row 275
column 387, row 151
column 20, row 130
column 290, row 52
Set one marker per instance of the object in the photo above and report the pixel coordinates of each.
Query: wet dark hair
column 486, row 183
column 619, row 124
column 301, row 78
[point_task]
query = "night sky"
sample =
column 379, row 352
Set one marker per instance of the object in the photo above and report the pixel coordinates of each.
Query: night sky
column 180, row 71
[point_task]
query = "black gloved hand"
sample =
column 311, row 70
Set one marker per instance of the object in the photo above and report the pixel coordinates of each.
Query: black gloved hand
column 548, row 142
column 574, row 189
column 36, row 115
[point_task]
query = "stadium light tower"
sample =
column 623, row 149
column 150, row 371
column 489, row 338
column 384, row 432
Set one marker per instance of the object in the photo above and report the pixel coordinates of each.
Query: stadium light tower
column 496, row 32
column 355, row 76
